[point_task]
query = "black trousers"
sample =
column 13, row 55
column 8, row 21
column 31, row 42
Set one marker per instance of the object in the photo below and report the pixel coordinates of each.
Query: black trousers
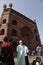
column 26, row 59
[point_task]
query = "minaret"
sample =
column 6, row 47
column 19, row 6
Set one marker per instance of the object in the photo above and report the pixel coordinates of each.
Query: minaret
column 5, row 18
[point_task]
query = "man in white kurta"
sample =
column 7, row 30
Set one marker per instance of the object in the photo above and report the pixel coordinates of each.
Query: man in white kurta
column 20, row 54
column 26, row 52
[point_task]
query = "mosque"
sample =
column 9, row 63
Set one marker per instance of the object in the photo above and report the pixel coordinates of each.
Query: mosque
column 17, row 26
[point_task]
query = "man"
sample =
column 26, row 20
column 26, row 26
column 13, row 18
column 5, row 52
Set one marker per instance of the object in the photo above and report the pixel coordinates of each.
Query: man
column 7, row 53
column 38, row 50
column 20, row 54
column 26, row 52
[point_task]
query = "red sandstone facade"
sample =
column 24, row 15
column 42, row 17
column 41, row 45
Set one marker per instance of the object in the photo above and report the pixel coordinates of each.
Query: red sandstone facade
column 17, row 26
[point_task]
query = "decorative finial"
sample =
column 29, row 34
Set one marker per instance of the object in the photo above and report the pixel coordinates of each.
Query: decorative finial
column 35, row 19
column 10, row 5
column 5, row 6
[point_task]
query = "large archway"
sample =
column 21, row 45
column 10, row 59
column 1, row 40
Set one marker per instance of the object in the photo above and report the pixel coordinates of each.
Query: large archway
column 27, row 35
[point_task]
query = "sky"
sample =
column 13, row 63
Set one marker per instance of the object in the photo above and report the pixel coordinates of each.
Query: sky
column 30, row 8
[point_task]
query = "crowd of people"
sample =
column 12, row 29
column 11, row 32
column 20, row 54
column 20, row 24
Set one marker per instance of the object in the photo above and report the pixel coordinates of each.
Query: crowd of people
column 7, row 56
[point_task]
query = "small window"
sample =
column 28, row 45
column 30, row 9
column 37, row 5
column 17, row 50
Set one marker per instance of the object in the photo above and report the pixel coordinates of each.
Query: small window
column 0, row 42
column 4, row 21
column 35, row 31
column 37, row 38
column 14, row 22
column 0, row 25
column 14, row 32
column 2, row 32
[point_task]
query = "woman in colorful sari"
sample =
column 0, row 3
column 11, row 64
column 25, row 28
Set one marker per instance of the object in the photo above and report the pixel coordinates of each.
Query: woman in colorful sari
column 20, row 54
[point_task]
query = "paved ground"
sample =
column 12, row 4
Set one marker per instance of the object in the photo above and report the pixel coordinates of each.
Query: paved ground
column 31, row 58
